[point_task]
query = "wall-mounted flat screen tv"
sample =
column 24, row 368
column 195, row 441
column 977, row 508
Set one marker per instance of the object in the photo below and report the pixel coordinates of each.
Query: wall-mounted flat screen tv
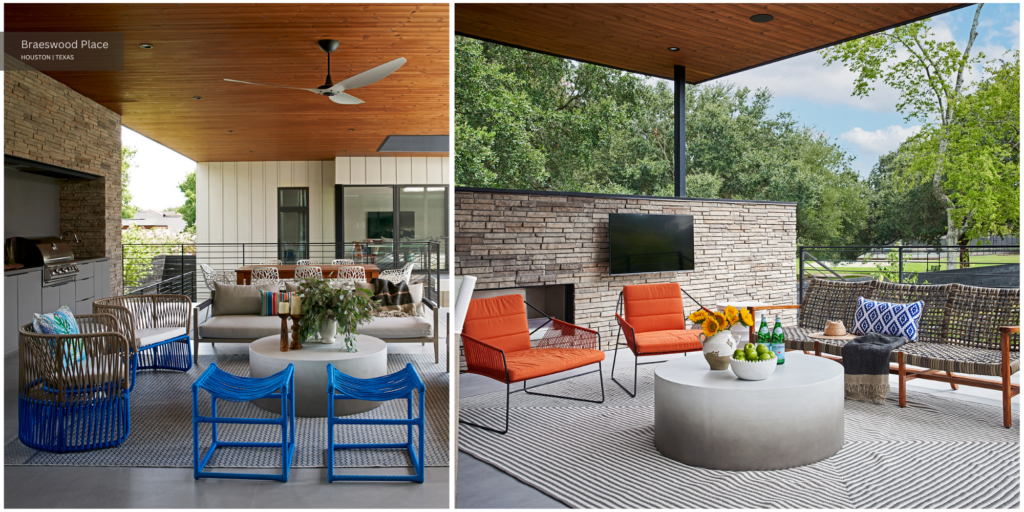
column 641, row 243
column 382, row 224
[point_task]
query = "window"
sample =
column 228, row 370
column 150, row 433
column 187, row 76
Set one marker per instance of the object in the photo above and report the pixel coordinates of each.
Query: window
column 390, row 223
column 292, row 224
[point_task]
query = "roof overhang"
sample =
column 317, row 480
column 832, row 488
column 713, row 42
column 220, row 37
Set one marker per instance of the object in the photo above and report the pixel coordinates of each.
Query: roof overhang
column 197, row 46
column 713, row 40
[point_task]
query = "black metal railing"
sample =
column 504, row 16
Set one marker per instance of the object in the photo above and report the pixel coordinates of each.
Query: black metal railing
column 176, row 268
column 993, row 266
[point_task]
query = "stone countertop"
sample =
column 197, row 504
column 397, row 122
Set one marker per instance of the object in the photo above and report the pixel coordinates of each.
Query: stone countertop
column 26, row 270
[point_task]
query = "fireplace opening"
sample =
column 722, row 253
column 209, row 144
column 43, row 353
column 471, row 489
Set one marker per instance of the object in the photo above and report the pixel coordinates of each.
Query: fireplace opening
column 555, row 300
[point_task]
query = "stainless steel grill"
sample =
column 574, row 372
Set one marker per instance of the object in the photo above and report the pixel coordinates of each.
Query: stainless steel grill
column 52, row 254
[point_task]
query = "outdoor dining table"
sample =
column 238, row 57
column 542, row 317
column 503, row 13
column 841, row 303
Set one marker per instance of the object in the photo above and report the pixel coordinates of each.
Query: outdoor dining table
column 244, row 274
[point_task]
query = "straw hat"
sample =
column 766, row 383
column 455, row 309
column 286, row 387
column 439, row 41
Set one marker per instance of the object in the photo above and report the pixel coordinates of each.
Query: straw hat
column 833, row 331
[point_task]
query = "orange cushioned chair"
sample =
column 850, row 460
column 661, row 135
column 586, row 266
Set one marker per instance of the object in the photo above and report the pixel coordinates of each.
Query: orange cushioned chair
column 654, row 324
column 496, row 342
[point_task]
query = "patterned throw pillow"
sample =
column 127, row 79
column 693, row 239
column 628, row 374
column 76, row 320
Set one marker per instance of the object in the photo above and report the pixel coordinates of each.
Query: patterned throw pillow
column 60, row 322
column 270, row 300
column 888, row 318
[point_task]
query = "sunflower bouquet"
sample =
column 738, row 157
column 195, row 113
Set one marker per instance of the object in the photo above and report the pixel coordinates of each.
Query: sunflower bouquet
column 712, row 323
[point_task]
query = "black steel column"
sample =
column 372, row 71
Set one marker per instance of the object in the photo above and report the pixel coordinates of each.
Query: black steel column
column 680, row 130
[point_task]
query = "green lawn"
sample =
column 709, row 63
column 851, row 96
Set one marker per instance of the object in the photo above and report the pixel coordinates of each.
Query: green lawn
column 863, row 269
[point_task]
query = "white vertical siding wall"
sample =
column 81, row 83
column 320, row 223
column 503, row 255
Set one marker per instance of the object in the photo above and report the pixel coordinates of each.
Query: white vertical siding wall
column 391, row 170
column 236, row 202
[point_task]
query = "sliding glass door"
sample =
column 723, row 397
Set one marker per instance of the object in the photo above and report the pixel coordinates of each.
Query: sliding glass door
column 389, row 225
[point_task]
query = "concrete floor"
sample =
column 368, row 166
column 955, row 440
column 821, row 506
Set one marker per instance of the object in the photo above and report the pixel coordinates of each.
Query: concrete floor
column 481, row 485
column 131, row 487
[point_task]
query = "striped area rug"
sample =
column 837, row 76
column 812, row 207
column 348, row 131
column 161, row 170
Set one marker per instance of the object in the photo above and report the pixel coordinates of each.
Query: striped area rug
column 936, row 453
column 161, row 434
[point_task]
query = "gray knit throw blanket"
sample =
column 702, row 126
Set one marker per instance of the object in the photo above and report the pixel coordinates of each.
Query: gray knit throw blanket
column 866, row 362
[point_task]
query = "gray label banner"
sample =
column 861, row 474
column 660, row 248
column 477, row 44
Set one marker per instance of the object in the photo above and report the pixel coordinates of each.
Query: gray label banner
column 67, row 51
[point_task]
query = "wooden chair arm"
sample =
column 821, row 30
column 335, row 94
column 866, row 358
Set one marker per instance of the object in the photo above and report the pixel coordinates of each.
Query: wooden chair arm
column 1004, row 345
column 484, row 359
column 752, row 309
column 1010, row 328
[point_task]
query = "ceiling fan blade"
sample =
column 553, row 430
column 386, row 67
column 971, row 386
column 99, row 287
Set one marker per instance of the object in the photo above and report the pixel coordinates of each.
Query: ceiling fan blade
column 270, row 85
column 345, row 99
column 372, row 75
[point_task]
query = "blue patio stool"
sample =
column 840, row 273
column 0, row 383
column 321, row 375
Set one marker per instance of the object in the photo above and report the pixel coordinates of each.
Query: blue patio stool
column 398, row 385
column 225, row 386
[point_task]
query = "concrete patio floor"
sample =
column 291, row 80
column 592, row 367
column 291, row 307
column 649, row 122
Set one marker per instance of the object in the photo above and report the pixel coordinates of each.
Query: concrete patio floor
column 135, row 487
column 481, row 485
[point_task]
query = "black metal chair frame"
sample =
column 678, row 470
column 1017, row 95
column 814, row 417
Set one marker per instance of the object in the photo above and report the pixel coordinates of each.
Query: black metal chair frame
column 636, row 357
column 508, row 384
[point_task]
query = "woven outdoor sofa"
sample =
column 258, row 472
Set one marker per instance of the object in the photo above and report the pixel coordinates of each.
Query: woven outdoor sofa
column 964, row 329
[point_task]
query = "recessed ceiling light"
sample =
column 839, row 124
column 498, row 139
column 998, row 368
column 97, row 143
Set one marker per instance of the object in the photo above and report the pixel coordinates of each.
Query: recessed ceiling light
column 197, row 97
column 673, row 49
column 762, row 18
column 351, row 129
column 146, row 46
column 231, row 131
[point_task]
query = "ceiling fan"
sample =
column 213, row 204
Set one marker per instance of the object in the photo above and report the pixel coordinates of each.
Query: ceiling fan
column 336, row 92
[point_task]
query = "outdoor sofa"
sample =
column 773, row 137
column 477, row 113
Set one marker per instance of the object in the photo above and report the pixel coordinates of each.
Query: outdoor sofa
column 228, row 323
column 963, row 329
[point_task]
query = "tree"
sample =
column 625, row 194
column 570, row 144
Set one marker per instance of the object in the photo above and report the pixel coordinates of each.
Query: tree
column 188, row 210
column 531, row 121
column 127, row 210
column 930, row 80
column 901, row 210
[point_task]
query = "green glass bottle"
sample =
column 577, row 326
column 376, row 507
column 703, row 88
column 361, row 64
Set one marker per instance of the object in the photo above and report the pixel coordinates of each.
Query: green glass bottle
column 779, row 341
column 764, row 334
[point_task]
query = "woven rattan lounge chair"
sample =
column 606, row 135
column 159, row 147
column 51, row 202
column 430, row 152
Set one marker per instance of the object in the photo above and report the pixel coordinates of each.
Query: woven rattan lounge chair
column 404, row 384
column 157, row 327
column 496, row 342
column 68, row 403
column 964, row 329
column 655, row 324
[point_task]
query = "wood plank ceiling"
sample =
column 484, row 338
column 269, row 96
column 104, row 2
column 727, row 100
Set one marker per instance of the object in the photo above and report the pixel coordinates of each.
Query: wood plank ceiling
column 714, row 40
column 196, row 46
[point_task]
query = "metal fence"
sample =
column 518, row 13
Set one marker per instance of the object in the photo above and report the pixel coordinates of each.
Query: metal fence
column 174, row 268
column 993, row 266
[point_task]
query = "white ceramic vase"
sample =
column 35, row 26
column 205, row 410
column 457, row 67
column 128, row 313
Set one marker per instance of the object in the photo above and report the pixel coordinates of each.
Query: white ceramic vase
column 718, row 349
column 328, row 330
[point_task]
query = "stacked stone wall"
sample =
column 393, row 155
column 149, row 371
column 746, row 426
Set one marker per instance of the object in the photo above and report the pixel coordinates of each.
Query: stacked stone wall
column 743, row 250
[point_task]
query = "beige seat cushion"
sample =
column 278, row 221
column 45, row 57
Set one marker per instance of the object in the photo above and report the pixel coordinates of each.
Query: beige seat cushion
column 239, row 299
column 146, row 337
column 398, row 327
column 240, row 326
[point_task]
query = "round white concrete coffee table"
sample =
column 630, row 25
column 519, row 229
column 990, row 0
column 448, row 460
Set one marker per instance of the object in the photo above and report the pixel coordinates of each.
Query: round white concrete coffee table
column 712, row 419
column 371, row 360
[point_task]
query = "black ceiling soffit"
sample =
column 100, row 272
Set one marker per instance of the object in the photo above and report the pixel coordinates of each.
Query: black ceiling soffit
column 414, row 144
column 49, row 170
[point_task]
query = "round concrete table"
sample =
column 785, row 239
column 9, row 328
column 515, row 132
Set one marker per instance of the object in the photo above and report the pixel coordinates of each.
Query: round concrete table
column 266, row 358
column 712, row 419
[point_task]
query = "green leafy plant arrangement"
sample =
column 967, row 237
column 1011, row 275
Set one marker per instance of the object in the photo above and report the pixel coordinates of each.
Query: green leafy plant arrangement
column 349, row 306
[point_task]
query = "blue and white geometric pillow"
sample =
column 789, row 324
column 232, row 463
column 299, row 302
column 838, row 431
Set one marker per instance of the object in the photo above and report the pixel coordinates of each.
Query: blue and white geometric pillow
column 888, row 318
column 61, row 321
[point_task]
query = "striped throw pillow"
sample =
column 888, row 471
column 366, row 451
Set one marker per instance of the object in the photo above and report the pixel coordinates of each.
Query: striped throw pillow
column 270, row 300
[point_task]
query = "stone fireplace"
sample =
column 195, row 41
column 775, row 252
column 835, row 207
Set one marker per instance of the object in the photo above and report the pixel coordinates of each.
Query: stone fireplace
column 518, row 240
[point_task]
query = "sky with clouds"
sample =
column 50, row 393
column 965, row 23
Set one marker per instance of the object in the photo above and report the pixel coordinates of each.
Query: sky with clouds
column 819, row 96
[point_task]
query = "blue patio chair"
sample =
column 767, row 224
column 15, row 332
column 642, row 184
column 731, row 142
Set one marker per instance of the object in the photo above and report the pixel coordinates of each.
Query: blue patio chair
column 225, row 386
column 398, row 385
column 157, row 326
column 73, row 388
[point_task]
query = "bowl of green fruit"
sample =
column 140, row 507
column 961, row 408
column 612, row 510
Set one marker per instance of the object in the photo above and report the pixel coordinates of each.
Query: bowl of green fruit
column 753, row 362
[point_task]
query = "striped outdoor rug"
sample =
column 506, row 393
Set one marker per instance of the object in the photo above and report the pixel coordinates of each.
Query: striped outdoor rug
column 161, row 434
column 936, row 453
